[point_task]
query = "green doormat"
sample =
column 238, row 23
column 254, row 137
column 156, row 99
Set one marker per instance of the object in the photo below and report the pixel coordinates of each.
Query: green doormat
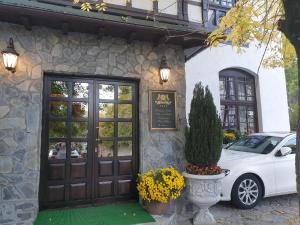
column 116, row 214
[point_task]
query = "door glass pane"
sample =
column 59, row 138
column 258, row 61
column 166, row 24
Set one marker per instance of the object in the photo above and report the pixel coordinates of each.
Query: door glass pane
column 251, row 128
column 222, row 88
column 106, row 110
column 230, row 93
column 80, row 110
column 80, row 90
column 250, row 90
column 79, row 129
column 243, row 128
column 59, row 89
column 58, row 109
column 241, row 90
column 124, row 129
column 250, row 115
column 57, row 150
column 251, row 120
column 106, row 91
column 57, row 129
column 224, row 115
column 125, row 92
column 232, row 116
column 106, row 149
column 125, row 111
column 106, row 129
column 124, row 148
column 243, row 114
column 78, row 150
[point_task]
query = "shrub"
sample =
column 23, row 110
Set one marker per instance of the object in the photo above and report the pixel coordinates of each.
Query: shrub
column 204, row 136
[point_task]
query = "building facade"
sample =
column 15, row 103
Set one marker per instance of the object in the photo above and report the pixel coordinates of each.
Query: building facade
column 247, row 99
column 75, row 113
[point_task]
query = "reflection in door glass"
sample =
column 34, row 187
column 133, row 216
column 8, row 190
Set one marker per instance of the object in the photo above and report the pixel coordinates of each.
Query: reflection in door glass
column 105, row 149
column 106, row 91
column 124, row 129
column 125, row 111
column 124, row 92
column 241, row 89
column 59, row 89
column 78, row 150
column 124, row 148
column 57, row 129
column 106, row 129
column 250, row 90
column 57, row 150
column 79, row 129
column 79, row 110
column 106, row 110
column 80, row 90
column 58, row 109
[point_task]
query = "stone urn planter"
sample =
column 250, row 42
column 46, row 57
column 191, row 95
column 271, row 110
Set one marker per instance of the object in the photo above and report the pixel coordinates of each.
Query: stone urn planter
column 203, row 191
column 157, row 208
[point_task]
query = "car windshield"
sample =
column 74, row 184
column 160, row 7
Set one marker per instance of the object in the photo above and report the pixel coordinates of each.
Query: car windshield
column 256, row 144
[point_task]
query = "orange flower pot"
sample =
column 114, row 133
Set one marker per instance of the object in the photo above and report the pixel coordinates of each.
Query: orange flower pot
column 157, row 208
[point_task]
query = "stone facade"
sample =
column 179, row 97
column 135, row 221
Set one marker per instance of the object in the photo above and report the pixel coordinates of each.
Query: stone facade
column 48, row 50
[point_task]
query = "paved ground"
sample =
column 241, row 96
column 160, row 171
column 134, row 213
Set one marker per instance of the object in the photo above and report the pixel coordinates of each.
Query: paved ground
column 281, row 210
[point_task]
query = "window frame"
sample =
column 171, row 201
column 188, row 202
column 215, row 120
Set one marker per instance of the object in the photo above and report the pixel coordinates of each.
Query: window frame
column 236, row 75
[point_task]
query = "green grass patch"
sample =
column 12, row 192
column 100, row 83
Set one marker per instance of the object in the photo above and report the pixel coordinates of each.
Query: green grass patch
column 115, row 214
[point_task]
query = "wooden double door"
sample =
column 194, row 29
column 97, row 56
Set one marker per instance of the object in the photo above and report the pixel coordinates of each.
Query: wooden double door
column 89, row 141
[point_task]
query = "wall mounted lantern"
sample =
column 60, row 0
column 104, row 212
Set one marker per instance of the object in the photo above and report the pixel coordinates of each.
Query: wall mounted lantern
column 164, row 70
column 10, row 56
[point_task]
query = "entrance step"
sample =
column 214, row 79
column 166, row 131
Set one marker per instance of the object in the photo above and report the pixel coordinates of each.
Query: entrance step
column 173, row 219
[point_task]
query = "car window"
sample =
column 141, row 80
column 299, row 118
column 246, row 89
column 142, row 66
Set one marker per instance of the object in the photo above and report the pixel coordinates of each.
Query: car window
column 292, row 144
column 256, row 144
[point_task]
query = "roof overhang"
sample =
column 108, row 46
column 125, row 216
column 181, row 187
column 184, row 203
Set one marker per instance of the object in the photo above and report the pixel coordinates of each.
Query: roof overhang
column 69, row 19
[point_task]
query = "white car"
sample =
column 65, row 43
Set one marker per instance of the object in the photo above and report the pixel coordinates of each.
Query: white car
column 260, row 165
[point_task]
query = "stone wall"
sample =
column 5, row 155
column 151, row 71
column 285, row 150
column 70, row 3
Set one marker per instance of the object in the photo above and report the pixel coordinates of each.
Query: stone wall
column 44, row 49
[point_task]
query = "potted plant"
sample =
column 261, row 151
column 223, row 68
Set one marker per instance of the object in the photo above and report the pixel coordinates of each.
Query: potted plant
column 157, row 188
column 231, row 136
column 203, row 147
column 228, row 138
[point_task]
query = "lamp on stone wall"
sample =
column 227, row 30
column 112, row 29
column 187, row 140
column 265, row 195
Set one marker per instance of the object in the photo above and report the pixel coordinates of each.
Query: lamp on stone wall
column 10, row 56
column 164, row 70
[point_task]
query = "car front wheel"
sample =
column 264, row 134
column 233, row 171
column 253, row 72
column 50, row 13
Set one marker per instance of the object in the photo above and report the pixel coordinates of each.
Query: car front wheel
column 246, row 192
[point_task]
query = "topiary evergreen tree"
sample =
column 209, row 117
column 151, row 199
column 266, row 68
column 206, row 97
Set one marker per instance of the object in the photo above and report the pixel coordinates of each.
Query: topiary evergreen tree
column 204, row 135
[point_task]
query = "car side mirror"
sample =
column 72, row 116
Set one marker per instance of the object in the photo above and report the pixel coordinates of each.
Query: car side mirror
column 284, row 151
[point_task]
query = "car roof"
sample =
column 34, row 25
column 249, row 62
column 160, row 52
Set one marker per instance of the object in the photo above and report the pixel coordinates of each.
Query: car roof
column 275, row 134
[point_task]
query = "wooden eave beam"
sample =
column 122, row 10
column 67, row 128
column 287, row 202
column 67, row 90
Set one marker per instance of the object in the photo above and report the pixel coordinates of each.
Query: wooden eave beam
column 65, row 28
column 69, row 19
column 131, row 36
column 109, row 18
column 161, row 39
column 101, row 33
column 26, row 22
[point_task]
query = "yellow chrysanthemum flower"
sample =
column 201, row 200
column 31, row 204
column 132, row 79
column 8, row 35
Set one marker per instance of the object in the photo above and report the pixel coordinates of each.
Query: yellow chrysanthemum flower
column 161, row 185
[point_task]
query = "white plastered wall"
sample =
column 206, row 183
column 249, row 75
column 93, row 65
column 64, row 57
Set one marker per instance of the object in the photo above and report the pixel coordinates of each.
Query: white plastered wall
column 271, row 92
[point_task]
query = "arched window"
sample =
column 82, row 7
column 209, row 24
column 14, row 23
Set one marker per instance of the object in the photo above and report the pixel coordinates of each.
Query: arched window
column 238, row 101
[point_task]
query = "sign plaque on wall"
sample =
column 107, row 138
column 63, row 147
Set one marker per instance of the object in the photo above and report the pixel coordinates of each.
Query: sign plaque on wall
column 163, row 114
